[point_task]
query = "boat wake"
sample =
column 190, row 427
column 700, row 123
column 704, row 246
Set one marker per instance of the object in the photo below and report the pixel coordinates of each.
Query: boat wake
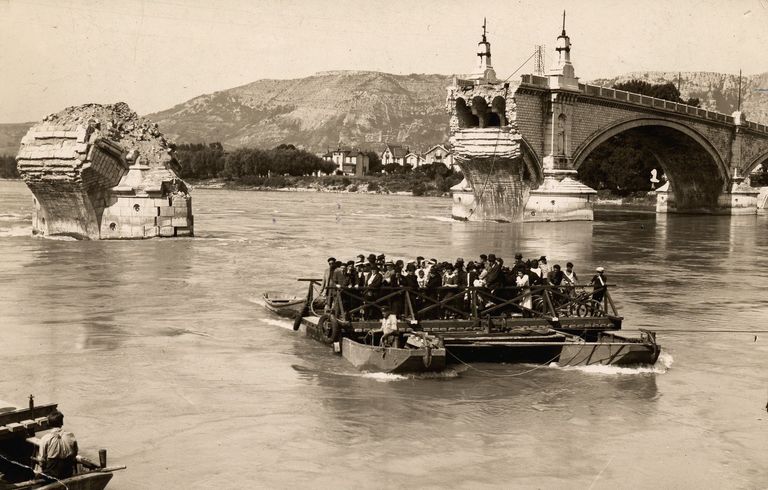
column 449, row 373
column 446, row 219
column 288, row 325
column 662, row 366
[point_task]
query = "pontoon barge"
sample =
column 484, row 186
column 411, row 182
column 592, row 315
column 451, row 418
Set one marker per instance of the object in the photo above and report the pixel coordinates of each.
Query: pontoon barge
column 565, row 324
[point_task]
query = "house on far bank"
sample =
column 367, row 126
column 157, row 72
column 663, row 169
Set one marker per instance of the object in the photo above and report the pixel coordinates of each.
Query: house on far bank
column 349, row 161
column 440, row 154
column 394, row 154
column 413, row 160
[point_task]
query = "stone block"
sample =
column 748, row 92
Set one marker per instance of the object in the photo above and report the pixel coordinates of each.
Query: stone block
column 161, row 201
column 167, row 231
column 151, row 231
column 164, row 221
column 166, row 210
column 179, row 221
column 183, row 231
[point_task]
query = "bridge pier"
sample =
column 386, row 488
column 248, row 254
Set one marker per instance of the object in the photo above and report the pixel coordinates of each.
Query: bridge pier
column 740, row 199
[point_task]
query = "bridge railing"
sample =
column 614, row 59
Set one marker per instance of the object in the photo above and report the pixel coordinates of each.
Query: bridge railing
column 469, row 303
column 644, row 100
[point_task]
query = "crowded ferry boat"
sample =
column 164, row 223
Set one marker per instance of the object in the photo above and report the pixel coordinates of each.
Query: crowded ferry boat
column 459, row 312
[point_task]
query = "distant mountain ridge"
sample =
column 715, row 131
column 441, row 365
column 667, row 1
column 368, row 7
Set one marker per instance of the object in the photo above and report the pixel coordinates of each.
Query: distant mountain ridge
column 368, row 108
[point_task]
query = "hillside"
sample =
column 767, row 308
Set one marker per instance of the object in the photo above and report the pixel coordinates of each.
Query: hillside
column 358, row 108
column 10, row 137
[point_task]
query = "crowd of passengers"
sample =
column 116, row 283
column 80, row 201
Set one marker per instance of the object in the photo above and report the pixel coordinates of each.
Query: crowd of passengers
column 371, row 276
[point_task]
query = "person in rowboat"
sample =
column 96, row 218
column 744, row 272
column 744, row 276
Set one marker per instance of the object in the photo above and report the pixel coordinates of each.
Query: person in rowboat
column 57, row 453
column 388, row 326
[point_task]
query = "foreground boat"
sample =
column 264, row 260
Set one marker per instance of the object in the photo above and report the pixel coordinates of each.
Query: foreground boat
column 18, row 447
column 565, row 326
column 379, row 359
column 283, row 304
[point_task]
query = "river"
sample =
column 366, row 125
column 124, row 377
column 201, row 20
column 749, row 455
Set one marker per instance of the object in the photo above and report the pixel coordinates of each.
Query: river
column 161, row 351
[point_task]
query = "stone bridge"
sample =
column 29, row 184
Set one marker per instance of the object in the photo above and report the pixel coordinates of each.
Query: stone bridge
column 520, row 145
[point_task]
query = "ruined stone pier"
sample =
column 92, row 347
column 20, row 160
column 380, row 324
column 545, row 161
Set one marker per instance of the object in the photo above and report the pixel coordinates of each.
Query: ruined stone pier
column 101, row 172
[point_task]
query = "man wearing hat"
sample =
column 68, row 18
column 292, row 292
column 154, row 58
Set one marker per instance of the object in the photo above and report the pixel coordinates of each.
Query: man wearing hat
column 372, row 291
column 388, row 278
column 519, row 265
column 327, row 275
column 544, row 267
column 599, row 282
column 57, row 454
column 492, row 273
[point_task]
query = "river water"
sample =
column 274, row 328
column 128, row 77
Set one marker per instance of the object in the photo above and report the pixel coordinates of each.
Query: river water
column 161, row 351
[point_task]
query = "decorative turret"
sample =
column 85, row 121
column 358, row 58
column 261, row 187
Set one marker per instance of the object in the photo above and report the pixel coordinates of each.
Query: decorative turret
column 485, row 72
column 562, row 75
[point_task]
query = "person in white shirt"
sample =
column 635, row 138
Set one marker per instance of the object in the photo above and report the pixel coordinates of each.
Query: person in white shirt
column 388, row 326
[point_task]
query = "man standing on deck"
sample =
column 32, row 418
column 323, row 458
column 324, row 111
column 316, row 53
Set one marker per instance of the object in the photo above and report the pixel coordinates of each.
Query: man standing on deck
column 599, row 281
column 327, row 275
column 57, row 454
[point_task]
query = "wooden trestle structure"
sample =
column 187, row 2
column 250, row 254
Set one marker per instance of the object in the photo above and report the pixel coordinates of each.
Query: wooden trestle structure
column 479, row 324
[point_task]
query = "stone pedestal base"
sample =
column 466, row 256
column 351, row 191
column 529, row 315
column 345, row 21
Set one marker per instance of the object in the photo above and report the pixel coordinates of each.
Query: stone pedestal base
column 554, row 200
column 741, row 200
column 762, row 201
column 560, row 200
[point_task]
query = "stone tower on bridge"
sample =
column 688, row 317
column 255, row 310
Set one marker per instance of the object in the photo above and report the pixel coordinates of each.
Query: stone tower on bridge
column 521, row 143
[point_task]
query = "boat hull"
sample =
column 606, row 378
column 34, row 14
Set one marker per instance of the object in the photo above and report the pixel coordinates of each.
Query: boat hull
column 392, row 360
column 564, row 349
column 287, row 306
column 95, row 480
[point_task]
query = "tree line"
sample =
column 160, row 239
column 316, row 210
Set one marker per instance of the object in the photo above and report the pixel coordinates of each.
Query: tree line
column 202, row 161
column 8, row 167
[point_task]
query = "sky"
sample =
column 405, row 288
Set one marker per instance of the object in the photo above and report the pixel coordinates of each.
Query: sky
column 156, row 54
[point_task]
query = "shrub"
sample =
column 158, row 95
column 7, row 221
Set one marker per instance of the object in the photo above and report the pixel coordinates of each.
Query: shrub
column 419, row 189
column 373, row 186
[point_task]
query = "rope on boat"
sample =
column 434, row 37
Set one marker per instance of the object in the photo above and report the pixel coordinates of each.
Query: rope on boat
column 693, row 330
column 33, row 470
column 496, row 375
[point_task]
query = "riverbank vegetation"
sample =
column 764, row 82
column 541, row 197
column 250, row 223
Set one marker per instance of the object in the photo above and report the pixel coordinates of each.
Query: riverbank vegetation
column 8, row 167
column 286, row 167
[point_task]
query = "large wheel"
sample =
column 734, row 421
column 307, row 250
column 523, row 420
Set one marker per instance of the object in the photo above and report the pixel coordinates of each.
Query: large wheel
column 596, row 308
column 580, row 310
column 330, row 331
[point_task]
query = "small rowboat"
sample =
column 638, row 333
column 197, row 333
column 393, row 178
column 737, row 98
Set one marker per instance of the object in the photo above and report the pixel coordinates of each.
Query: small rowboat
column 18, row 441
column 391, row 359
column 283, row 304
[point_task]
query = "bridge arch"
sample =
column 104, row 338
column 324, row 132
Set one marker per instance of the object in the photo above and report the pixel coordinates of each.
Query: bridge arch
column 693, row 165
column 754, row 163
column 532, row 163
